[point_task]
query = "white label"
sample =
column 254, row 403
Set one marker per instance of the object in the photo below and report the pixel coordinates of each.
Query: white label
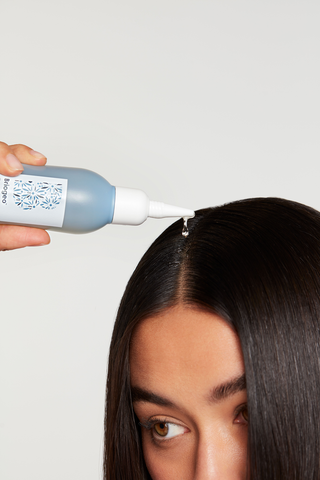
column 33, row 200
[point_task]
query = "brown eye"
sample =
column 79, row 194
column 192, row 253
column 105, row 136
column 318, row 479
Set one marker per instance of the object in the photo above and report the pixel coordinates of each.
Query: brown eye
column 161, row 429
column 242, row 417
column 245, row 414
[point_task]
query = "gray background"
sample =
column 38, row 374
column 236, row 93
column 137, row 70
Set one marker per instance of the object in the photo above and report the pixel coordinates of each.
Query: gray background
column 195, row 102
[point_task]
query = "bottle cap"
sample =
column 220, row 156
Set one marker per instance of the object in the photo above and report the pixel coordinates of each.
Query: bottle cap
column 133, row 207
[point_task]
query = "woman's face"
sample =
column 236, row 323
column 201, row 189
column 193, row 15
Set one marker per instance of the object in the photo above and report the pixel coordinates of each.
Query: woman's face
column 188, row 387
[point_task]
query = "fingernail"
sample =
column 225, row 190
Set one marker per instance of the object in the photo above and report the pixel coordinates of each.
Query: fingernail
column 36, row 154
column 13, row 162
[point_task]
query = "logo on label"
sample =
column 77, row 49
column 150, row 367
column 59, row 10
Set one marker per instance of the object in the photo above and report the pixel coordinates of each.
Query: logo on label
column 29, row 195
column 4, row 191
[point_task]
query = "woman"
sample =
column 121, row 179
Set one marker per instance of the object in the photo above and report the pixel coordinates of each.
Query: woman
column 214, row 360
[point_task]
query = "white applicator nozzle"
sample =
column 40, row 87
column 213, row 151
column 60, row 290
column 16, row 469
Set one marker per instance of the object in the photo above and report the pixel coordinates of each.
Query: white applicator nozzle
column 133, row 207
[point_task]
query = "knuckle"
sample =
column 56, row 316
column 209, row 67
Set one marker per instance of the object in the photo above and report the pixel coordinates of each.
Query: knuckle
column 4, row 149
column 19, row 148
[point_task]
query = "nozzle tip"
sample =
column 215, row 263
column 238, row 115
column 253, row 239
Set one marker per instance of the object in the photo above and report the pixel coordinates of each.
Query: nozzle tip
column 162, row 210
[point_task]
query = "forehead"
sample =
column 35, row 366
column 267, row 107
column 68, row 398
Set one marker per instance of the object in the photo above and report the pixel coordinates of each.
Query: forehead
column 183, row 350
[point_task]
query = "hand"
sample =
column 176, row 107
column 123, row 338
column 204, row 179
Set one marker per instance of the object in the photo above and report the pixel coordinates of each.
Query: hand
column 12, row 236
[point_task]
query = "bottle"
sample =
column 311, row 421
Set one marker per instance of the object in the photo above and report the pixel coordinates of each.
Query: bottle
column 74, row 200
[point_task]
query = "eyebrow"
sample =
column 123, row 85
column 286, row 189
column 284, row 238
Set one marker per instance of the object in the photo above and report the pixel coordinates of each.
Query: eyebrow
column 218, row 393
column 227, row 389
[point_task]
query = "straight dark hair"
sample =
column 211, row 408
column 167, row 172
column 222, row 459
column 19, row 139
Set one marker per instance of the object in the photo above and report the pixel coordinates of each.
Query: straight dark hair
column 256, row 263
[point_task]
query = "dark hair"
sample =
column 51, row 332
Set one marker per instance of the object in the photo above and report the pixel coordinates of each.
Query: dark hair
column 256, row 263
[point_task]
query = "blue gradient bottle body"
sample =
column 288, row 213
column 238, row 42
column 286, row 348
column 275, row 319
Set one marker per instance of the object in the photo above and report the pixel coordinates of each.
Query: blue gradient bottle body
column 74, row 200
column 89, row 200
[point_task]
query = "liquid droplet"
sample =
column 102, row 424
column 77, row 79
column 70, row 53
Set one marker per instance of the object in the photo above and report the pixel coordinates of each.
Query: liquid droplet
column 185, row 230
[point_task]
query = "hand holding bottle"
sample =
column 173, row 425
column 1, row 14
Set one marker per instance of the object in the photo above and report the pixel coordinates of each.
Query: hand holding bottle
column 11, row 159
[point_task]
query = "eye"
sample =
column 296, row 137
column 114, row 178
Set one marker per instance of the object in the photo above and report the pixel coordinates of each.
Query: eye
column 161, row 430
column 245, row 414
column 242, row 415
column 167, row 430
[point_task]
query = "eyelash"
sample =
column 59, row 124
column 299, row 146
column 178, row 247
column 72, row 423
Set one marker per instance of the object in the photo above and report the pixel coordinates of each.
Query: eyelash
column 149, row 424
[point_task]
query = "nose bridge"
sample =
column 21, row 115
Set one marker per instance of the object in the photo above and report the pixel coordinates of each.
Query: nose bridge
column 208, row 458
column 214, row 459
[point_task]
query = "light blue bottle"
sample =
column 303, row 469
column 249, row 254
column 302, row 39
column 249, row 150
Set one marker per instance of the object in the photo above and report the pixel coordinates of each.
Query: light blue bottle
column 75, row 200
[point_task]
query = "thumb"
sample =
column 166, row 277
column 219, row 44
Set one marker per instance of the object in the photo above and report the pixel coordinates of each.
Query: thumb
column 12, row 237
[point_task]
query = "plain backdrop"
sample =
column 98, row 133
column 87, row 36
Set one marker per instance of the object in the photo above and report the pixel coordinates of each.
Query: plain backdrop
column 196, row 102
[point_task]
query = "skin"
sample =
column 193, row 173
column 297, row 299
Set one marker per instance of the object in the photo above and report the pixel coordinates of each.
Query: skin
column 11, row 159
column 184, row 356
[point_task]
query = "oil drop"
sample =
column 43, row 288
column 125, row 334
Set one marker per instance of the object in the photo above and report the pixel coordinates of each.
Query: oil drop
column 185, row 230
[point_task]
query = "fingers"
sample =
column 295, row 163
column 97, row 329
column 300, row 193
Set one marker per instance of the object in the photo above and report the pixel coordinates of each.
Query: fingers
column 12, row 237
column 27, row 155
column 12, row 157
column 9, row 163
